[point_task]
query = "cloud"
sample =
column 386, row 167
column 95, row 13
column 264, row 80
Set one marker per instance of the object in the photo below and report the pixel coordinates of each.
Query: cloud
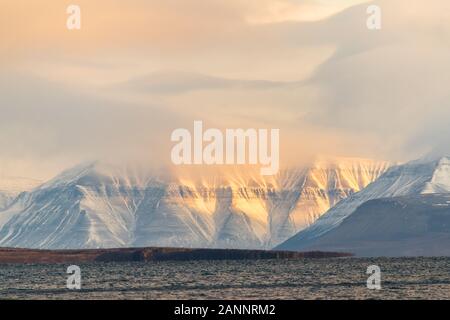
column 157, row 24
column 183, row 82
column 310, row 68
column 390, row 83
column 49, row 124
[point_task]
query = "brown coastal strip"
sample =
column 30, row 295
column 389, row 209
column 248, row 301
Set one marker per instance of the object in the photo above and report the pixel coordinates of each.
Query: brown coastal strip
column 15, row 255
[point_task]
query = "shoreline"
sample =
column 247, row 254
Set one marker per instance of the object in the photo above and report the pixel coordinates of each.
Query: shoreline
column 148, row 254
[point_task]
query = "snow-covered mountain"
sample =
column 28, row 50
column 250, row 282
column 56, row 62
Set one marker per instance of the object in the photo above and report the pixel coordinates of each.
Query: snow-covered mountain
column 11, row 187
column 96, row 205
column 414, row 225
column 419, row 177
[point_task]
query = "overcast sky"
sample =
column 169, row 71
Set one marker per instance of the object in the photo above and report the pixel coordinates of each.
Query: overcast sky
column 139, row 69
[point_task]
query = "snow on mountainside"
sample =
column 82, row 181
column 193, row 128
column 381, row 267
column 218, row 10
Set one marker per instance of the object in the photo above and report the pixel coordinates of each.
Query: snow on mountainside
column 414, row 225
column 94, row 205
column 10, row 187
column 424, row 176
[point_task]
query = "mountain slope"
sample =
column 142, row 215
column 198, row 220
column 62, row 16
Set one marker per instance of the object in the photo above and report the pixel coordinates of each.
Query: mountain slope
column 403, row 226
column 11, row 187
column 424, row 176
column 99, row 206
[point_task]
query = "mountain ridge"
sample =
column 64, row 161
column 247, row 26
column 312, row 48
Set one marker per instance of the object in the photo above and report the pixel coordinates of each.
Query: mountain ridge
column 423, row 176
column 11, row 187
column 102, row 206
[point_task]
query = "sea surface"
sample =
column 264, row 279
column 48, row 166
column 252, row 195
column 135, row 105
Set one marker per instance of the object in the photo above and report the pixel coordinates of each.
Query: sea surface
column 342, row 278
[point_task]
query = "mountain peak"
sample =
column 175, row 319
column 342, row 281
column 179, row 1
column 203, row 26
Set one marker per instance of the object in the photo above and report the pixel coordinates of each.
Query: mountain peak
column 102, row 172
column 71, row 175
column 427, row 175
column 11, row 187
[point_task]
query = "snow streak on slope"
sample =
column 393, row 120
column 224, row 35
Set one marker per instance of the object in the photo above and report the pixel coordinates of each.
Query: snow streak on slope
column 422, row 176
column 95, row 205
column 440, row 181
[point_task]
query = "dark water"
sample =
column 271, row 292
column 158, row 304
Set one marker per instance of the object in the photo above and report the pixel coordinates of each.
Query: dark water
column 418, row 278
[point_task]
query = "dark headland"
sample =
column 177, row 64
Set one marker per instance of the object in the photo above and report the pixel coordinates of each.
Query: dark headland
column 13, row 255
